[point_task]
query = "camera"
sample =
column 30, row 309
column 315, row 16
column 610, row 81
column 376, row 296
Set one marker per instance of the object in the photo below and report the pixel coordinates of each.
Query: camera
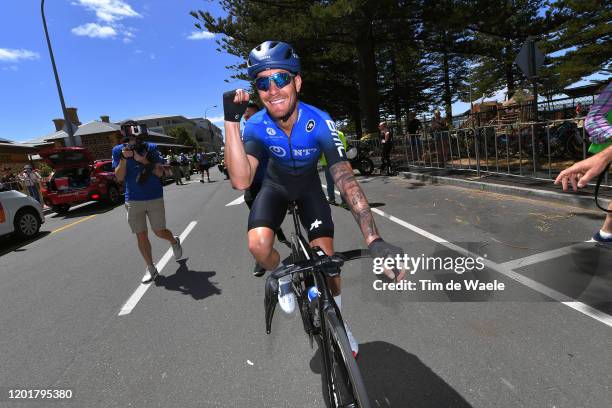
column 142, row 149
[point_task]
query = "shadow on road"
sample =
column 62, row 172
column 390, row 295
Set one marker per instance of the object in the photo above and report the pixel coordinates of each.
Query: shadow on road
column 396, row 378
column 86, row 210
column 188, row 282
column 11, row 243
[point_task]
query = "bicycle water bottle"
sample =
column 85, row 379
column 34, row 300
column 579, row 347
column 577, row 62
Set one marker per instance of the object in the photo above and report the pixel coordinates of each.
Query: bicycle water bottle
column 313, row 293
column 286, row 297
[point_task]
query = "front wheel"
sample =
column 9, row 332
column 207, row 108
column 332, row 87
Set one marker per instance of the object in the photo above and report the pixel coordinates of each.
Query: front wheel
column 344, row 383
column 60, row 208
column 27, row 224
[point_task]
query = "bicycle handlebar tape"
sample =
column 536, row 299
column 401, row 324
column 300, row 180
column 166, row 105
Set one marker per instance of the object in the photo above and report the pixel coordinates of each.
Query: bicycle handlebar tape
column 231, row 110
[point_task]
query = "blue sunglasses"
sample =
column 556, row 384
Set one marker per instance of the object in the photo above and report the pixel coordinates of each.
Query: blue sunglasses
column 281, row 79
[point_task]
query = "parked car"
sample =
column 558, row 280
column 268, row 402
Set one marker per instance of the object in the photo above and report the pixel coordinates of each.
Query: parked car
column 77, row 178
column 20, row 214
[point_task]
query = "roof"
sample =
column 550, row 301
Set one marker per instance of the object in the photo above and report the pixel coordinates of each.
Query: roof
column 18, row 146
column 152, row 117
column 89, row 128
column 586, row 90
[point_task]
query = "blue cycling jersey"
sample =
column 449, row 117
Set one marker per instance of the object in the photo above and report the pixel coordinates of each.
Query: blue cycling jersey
column 313, row 133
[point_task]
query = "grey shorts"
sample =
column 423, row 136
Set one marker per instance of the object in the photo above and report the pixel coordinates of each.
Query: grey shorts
column 138, row 211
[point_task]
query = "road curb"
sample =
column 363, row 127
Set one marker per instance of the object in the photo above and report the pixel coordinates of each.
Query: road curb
column 585, row 202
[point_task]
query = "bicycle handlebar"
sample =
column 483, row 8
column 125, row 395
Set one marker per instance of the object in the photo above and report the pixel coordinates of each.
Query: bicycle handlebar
column 271, row 290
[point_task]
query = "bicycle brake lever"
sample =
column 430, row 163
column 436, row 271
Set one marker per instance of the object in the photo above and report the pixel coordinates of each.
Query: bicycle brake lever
column 270, row 300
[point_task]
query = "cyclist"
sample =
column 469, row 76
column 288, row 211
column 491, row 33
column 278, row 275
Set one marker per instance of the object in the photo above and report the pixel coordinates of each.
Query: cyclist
column 294, row 135
column 251, row 192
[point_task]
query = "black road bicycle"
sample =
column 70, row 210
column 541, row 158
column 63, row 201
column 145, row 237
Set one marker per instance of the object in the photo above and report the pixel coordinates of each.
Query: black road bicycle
column 321, row 317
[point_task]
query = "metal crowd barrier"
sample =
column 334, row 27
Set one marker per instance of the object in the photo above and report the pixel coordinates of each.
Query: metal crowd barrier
column 19, row 186
column 510, row 150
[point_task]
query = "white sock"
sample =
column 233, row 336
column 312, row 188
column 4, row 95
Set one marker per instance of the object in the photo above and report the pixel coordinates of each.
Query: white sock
column 338, row 301
column 604, row 235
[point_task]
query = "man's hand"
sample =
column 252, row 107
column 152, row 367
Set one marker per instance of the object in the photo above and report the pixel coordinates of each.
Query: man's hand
column 582, row 172
column 127, row 152
column 234, row 104
column 382, row 249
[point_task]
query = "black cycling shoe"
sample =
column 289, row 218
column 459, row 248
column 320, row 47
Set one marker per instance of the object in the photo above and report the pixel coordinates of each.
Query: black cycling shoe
column 258, row 271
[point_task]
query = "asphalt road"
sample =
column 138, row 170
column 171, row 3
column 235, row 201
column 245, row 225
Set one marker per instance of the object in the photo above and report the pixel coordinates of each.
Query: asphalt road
column 196, row 337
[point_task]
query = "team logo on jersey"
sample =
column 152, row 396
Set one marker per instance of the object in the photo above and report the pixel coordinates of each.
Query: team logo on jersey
column 304, row 152
column 270, row 131
column 316, row 224
column 278, row 151
column 310, row 125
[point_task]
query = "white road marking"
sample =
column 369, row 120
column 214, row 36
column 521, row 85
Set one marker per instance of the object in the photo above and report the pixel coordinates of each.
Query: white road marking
column 76, row 207
column 142, row 289
column 237, row 201
column 506, row 271
column 542, row 256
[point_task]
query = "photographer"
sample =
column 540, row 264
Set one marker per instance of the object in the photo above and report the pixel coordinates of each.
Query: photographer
column 139, row 165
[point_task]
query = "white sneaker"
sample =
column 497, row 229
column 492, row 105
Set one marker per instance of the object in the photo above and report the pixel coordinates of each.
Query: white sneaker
column 286, row 297
column 352, row 341
column 150, row 275
column 177, row 249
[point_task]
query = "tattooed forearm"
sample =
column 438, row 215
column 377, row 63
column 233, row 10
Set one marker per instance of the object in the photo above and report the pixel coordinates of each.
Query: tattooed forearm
column 344, row 179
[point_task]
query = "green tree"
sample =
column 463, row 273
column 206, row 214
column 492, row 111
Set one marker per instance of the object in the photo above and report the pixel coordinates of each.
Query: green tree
column 581, row 40
column 182, row 136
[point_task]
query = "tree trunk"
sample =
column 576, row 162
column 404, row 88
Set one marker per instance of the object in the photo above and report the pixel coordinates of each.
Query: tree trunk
column 509, row 72
column 396, row 100
column 366, row 67
column 447, row 89
column 356, row 116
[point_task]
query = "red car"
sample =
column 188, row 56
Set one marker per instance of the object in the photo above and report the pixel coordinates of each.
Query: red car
column 77, row 178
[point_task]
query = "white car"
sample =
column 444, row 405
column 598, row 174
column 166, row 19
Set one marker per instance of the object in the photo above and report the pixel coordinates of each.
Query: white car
column 20, row 214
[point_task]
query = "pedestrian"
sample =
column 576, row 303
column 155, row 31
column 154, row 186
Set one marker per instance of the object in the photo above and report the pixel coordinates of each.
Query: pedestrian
column 439, row 127
column 329, row 180
column 175, row 166
column 138, row 164
column 386, row 138
column 251, row 193
column 184, row 162
column 204, row 163
column 31, row 180
column 414, row 127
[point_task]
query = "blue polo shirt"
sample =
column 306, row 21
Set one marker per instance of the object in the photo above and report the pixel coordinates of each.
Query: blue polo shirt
column 151, row 189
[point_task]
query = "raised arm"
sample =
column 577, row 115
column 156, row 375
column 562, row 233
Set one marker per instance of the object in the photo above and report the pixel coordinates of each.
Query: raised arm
column 240, row 166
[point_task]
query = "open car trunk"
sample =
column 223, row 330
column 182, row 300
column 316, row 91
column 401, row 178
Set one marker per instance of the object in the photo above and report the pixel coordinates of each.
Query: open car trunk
column 65, row 180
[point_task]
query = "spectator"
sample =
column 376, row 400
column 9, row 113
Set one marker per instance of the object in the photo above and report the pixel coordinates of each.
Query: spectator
column 439, row 127
column 414, row 126
column 579, row 110
column 184, row 162
column 386, row 136
column 598, row 123
column 8, row 180
column 30, row 179
column 139, row 165
column 204, row 164
column 175, row 166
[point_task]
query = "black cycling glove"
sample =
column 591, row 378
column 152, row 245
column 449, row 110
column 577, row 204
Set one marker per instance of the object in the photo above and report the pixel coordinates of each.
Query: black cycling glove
column 381, row 249
column 233, row 111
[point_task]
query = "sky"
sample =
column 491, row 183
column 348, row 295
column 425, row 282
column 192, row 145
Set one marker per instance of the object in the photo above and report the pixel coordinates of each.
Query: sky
column 122, row 58
column 119, row 58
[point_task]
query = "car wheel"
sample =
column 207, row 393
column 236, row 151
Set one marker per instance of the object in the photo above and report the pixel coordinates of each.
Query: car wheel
column 60, row 208
column 113, row 196
column 27, row 223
